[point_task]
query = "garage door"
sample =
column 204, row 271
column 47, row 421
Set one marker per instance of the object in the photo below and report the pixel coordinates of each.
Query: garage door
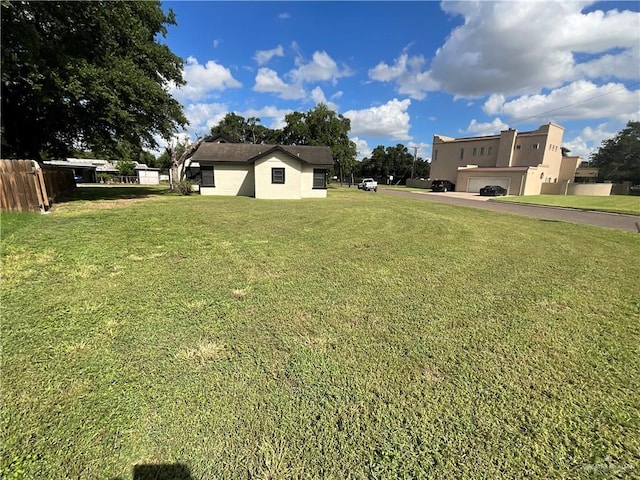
column 476, row 183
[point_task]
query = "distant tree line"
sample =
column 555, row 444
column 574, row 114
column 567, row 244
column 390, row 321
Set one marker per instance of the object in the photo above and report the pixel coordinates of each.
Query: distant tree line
column 323, row 126
column 396, row 162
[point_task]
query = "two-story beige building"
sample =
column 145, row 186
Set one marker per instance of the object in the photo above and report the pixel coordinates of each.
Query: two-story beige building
column 525, row 163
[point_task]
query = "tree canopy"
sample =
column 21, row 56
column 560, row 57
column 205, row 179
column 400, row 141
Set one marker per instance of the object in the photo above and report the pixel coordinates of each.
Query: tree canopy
column 86, row 75
column 237, row 129
column 392, row 161
column 322, row 126
column 618, row 159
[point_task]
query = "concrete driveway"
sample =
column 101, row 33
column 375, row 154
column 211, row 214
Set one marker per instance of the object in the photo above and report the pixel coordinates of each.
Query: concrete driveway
column 572, row 215
column 463, row 195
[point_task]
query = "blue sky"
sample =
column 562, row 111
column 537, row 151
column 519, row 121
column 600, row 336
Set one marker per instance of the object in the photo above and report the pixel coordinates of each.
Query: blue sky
column 404, row 71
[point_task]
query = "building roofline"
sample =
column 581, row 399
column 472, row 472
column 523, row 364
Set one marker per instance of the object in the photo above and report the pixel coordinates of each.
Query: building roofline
column 497, row 136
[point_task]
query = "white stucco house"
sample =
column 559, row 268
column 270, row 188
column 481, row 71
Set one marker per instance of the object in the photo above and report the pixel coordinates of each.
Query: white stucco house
column 259, row 170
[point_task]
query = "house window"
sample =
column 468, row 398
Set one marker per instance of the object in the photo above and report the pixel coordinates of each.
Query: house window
column 518, row 147
column 481, row 150
column 488, row 150
column 206, row 172
column 474, row 151
column 277, row 175
column 435, row 155
column 461, row 153
column 319, row 178
column 535, row 146
column 193, row 174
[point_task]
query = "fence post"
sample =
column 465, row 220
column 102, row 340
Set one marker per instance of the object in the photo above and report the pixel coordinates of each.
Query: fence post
column 43, row 188
column 36, row 187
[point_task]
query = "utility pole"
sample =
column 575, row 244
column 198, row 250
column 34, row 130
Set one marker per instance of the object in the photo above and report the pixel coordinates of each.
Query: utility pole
column 415, row 158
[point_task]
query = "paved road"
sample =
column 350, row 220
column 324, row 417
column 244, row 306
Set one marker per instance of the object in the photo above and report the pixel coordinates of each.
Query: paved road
column 463, row 199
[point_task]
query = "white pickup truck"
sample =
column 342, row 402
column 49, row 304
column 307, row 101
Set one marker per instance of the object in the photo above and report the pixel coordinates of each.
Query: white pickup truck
column 368, row 184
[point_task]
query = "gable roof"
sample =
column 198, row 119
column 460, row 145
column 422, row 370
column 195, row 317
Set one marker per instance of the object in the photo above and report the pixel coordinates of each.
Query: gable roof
column 249, row 153
column 220, row 138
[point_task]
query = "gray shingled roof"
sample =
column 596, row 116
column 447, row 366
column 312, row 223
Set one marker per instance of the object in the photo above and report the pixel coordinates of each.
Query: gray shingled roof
column 248, row 153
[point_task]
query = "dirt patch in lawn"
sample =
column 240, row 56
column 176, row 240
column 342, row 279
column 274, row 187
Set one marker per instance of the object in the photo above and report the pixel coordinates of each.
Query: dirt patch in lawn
column 79, row 207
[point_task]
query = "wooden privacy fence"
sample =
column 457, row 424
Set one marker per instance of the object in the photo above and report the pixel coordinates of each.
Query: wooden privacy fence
column 27, row 186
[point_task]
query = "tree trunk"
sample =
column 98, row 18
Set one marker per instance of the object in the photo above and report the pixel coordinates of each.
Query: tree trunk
column 177, row 163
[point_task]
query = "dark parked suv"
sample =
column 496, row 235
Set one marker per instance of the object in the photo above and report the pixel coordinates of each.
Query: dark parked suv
column 442, row 186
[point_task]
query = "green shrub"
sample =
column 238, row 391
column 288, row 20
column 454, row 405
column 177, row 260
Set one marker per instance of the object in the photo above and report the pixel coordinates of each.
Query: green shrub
column 184, row 187
column 105, row 178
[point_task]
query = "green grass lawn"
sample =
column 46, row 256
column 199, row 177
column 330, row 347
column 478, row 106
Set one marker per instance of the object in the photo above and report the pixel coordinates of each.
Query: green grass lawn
column 361, row 336
column 628, row 204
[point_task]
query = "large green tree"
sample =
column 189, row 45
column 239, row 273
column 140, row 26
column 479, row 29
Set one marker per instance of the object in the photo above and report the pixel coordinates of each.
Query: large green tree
column 392, row 161
column 618, row 159
column 323, row 126
column 238, row 129
column 86, row 75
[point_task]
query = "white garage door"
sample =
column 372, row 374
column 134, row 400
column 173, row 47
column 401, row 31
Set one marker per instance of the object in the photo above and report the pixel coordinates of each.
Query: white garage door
column 476, row 183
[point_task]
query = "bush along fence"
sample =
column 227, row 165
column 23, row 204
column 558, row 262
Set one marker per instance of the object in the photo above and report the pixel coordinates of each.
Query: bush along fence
column 26, row 185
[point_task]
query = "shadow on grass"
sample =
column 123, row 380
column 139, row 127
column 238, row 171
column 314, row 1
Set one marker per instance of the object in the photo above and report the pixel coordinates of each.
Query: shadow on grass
column 109, row 192
column 160, row 471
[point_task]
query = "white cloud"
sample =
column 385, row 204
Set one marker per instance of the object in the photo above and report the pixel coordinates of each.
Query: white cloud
column 386, row 73
column 263, row 56
column 317, row 95
column 269, row 112
column 519, row 47
column 216, row 43
column 487, row 128
column 390, row 120
column 362, row 148
column 268, row 81
column 588, row 141
column 623, row 65
column 579, row 100
column 408, row 75
column 202, row 80
column 284, row 16
column 321, row 68
column 493, row 104
column 633, row 117
column 203, row 116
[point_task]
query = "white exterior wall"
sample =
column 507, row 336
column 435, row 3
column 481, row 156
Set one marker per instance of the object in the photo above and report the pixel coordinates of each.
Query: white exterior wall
column 306, row 187
column 231, row 179
column 290, row 189
column 148, row 177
